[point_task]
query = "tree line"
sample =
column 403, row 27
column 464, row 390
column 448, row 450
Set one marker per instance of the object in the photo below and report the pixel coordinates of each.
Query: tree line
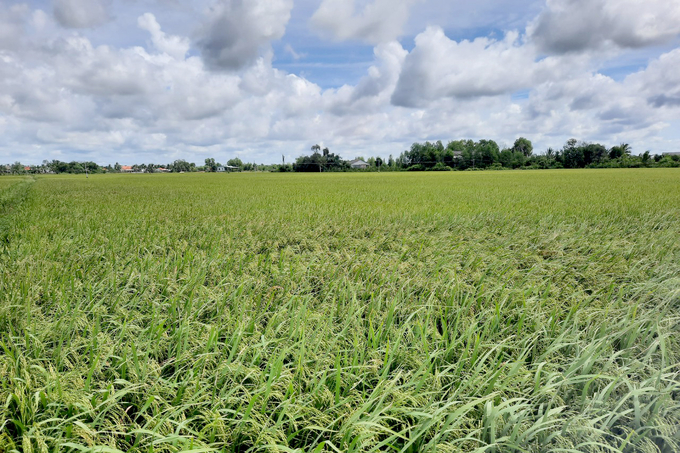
column 486, row 154
column 428, row 156
column 178, row 166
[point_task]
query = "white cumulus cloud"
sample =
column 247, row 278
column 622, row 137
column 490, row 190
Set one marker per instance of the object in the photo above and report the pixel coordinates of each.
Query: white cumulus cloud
column 235, row 31
column 441, row 67
column 175, row 46
column 81, row 13
column 374, row 22
column 579, row 25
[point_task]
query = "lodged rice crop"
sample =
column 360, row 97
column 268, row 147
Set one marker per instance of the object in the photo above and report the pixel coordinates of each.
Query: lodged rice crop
column 472, row 312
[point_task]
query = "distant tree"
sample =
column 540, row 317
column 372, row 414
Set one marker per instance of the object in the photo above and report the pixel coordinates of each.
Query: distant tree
column 311, row 163
column 506, row 157
column 117, row 168
column 210, row 164
column 646, row 158
column 572, row 154
column 550, row 153
column 17, row 168
column 58, row 166
column 621, row 150
column 318, row 162
column 523, row 146
column 518, row 159
column 487, row 153
column 235, row 162
column 593, row 153
column 378, row 162
column 455, row 149
column 181, row 165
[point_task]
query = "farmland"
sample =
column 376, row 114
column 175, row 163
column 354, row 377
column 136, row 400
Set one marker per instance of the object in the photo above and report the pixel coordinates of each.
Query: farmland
column 467, row 311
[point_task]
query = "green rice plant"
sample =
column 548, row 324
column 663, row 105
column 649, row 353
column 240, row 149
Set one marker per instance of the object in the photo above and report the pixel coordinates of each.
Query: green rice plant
column 478, row 312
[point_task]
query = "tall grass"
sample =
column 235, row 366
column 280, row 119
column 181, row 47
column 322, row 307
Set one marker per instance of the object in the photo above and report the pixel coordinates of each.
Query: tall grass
column 493, row 312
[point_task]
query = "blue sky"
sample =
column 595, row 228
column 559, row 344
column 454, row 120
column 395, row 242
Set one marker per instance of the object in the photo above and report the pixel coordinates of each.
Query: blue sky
column 135, row 81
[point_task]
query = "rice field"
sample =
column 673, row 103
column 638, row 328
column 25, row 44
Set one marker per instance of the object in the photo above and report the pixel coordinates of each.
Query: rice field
column 406, row 312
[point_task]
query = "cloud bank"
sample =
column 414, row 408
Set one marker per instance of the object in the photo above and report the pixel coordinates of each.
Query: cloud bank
column 215, row 87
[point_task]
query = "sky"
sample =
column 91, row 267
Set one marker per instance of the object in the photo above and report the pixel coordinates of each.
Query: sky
column 152, row 81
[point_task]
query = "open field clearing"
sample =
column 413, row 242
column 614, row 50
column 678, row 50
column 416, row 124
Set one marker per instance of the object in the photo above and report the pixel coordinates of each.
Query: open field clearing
column 439, row 312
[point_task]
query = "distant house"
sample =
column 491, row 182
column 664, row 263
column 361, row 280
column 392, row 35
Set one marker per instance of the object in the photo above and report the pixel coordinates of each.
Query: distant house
column 358, row 164
column 163, row 170
column 126, row 169
column 676, row 153
column 221, row 169
column 232, row 168
column 27, row 168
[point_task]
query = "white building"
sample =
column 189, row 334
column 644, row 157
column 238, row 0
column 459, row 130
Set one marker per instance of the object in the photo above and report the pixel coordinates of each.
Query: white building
column 358, row 164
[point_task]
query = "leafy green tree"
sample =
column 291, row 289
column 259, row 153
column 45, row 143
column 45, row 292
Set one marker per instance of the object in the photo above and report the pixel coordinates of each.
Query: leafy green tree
column 506, row 157
column 524, row 146
column 621, row 150
column 646, row 158
column 210, row 164
column 235, row 162
column 487, row 152
column 518, row 159
column 550, row 154
column 181, row 165
column 318, row 162
column 594, row 153
column 572, row 154
column 17, row 168
column 454, row 151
